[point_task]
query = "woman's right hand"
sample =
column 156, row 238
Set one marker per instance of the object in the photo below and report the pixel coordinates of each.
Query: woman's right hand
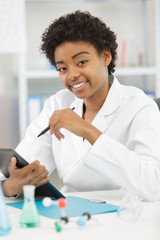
column 32, row 174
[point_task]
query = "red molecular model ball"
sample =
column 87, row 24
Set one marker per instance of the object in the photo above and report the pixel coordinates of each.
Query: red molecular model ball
column 62, row 202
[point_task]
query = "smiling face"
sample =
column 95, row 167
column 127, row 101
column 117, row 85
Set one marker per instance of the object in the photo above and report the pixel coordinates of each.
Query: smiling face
column 82, row 69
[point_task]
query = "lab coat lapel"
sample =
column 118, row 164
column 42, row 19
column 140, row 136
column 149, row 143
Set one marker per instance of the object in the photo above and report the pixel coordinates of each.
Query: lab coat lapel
column 103, row 118
column 77, row 141
column 112, row 103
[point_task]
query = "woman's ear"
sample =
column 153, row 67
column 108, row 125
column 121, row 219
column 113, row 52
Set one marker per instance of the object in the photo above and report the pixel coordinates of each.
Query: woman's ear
column 107, row 57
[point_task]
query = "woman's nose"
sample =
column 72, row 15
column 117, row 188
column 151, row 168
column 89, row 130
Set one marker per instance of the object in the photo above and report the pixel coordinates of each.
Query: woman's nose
column 73, row 75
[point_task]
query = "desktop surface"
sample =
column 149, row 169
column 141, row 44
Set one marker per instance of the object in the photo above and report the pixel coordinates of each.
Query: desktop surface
column 101, row 226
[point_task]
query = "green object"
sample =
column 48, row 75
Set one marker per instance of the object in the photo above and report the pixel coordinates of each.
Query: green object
column 29, row 217
column 58, row 227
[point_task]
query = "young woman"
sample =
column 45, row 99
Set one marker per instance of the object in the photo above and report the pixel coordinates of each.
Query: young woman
column 103, row 135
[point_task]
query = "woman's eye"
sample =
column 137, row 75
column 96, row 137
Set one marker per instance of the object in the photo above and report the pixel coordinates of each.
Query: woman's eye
column 61, row 69
column 82, row 62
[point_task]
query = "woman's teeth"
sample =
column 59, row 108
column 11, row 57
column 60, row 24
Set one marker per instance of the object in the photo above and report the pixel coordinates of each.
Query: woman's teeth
column 78, row 85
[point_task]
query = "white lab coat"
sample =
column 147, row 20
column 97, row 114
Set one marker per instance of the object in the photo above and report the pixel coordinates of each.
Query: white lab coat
column 126, row 155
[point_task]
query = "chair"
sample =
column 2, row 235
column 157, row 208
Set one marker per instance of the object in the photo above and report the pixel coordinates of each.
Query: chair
column 157, row 100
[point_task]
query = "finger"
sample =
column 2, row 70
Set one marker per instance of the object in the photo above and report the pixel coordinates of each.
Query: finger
column 52, row 118
column 12, row 164
column 40, row 170
column 37, row 175
column 31, row 167
column 61, row 135
column 43, row 181
column 58, row 135
column 55, row 129
column 39, row 178
column 55, row 121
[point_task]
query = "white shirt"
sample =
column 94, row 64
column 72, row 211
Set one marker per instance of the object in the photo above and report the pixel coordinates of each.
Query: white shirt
column 126, row 155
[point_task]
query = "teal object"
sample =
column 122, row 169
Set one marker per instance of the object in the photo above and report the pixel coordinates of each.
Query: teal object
column 29, row 217
column 5, row 226
column 75, row 208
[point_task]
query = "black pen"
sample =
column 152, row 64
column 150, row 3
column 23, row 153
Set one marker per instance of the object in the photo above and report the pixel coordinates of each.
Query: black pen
column 47, row 128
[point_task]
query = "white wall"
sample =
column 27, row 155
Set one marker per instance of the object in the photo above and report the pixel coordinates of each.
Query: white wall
column 124, row 18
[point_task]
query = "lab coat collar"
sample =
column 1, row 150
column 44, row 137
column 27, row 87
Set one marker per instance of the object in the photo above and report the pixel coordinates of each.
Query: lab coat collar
column 111, row 104
column 113, row 99
column 101, row 121
column 77, row 104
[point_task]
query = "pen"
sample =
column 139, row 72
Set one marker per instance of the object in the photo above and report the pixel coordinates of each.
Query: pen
column 47, row 128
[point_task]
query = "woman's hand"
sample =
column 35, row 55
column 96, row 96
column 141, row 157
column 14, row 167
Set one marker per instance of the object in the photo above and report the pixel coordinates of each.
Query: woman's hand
column 68, row 119
column 33, row 173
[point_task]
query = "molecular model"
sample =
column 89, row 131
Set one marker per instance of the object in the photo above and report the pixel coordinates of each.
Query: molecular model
column 62, row 203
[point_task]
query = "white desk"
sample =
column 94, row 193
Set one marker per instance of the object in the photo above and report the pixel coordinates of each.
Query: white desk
column 112, row 228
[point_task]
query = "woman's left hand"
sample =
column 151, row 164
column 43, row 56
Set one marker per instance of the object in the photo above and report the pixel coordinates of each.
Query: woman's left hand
column 68, row 119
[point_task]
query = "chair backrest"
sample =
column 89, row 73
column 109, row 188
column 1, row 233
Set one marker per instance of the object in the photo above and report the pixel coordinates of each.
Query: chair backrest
column 157, row 100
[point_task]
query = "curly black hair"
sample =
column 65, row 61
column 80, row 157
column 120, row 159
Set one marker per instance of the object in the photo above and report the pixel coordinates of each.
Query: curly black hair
column 79, row 26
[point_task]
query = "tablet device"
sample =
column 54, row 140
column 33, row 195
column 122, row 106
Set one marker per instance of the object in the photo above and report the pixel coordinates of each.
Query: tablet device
column 47, row 190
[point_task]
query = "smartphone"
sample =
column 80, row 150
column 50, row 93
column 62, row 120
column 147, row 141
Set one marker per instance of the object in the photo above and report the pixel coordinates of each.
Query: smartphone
column 47, row 190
